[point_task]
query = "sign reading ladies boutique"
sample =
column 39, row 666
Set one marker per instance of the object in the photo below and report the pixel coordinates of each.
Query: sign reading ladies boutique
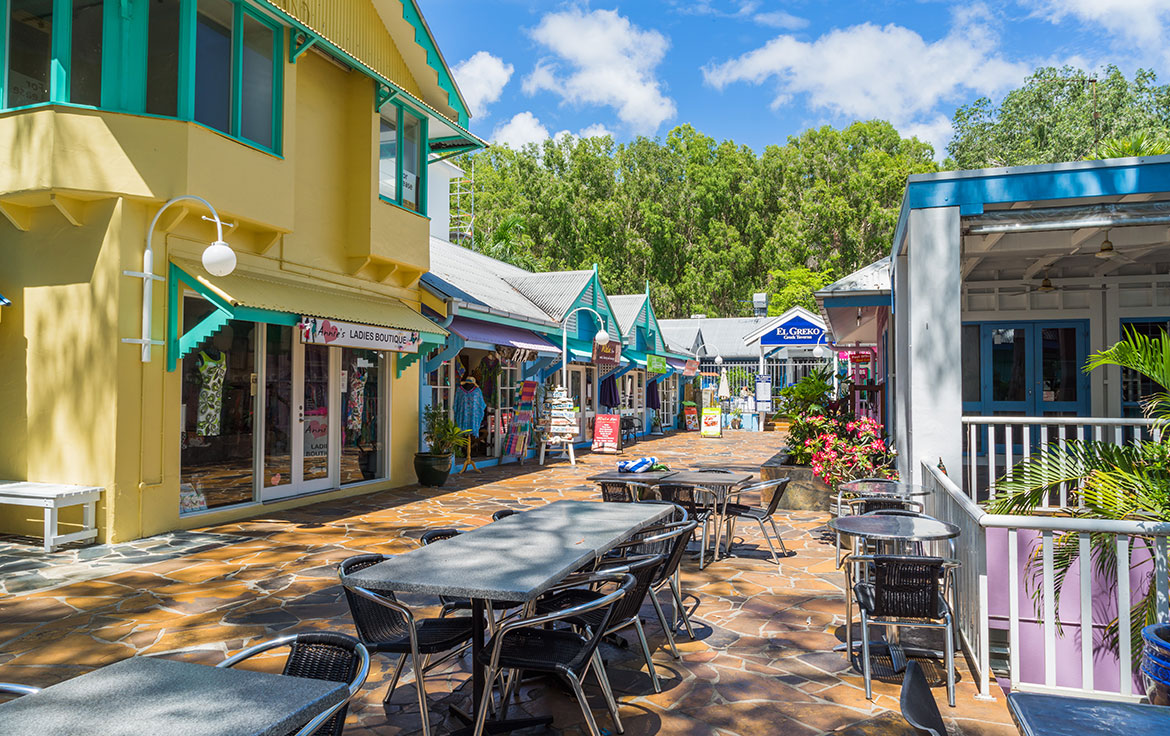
column 321, row 331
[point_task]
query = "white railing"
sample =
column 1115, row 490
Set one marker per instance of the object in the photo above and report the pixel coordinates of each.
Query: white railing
column 1045, row 648
column 993, row 445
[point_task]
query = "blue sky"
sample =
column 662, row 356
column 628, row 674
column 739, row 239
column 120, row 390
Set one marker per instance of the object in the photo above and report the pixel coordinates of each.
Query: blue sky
column 757, row 71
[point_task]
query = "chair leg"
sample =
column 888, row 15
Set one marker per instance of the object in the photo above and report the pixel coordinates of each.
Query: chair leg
column 420, row 683
column 394, row 678
column 510, row 682
column 768, row 539
column 484, row 702
column 703, row 545
column 849, row 615
column 950, row 652
column 865, row 655
column 606, row 690
column 580, row 693
column 665, row 628
column 780, row 539
column 680, row 608
column 646, row 654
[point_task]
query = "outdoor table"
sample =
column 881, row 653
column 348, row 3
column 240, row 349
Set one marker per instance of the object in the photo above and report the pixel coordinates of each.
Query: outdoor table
column 883, row 488
column 163, row 696
column 893, row 529
column 1036, row 714
column 718, row 483
column 616, row 476
column 515, row 559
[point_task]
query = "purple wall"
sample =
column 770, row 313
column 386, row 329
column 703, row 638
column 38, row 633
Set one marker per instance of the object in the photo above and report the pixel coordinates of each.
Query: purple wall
column 1106, row 673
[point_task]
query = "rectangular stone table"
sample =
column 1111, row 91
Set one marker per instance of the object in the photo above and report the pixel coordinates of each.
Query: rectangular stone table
column 148, row 695
column 1038, row 714
column 514, row 559
column 615, row 476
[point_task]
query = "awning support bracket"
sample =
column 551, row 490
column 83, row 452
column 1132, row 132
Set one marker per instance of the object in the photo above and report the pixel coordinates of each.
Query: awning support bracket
column 454, row 344
column 405, row 360
column 302, row 42
column 382, row 95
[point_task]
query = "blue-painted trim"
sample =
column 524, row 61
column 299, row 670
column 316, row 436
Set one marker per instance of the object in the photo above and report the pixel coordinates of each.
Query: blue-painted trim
column 455, row 343
column 536, row 367
column 872, row 300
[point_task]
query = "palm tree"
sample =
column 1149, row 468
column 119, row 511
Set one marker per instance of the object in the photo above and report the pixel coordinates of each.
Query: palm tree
column 1130, row 482
column 1138, row 144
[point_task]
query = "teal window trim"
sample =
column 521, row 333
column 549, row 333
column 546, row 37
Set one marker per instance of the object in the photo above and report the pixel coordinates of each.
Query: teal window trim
column 188, row 30
column 278, row 32
column 61, row 50
column 179, row 343
column 404, row 208
column 399, row 114
column 237, row 111
column 4, row 13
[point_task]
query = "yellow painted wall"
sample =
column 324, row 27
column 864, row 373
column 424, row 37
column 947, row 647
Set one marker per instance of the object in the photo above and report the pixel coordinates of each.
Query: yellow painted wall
column 80, row 406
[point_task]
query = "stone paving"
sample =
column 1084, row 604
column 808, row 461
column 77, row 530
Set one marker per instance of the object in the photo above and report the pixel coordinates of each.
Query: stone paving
column 762, row 662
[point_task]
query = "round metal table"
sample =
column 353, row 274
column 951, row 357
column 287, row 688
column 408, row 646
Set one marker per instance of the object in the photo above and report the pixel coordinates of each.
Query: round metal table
column 883, row 488
column 894, row 528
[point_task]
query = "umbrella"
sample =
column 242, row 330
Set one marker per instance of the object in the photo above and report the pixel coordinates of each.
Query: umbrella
column 724, row 391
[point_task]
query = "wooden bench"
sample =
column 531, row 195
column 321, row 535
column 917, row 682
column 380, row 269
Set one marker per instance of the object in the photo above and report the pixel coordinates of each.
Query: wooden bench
column 51, row 497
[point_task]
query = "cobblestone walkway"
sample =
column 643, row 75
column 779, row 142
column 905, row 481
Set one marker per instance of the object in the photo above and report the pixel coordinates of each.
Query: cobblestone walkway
column 762, row 662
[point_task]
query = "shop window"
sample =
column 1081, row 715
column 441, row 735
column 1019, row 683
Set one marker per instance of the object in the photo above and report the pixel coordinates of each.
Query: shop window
column 363, row 445
column 30, row 51
column 162, row 58
column 217, row 414
column 402, row 158
column 972, row 356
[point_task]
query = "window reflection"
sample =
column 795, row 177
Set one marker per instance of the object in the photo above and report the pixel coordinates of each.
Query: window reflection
column 30, row 32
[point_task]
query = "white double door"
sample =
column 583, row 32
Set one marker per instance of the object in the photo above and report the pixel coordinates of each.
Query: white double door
column 302, row 415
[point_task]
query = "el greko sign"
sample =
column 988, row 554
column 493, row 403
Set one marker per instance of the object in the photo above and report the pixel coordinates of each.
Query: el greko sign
column 796, row 331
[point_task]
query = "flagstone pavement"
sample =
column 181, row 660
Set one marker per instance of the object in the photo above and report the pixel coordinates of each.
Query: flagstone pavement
column 762, row 662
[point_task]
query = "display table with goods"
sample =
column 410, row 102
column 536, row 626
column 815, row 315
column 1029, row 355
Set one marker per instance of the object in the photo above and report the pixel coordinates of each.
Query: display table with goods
column 559, row 426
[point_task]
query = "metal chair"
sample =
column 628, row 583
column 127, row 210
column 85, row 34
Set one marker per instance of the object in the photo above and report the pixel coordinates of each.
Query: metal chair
column 625, row 612
column 503, row 514
column 699, row 503
column 669, row 539
column 526, row 645
column 918, row 706
column 901, row 587
column 321, row 655
column 387, row 626
column 758, row 514
column 616, row 492
column 867, row 504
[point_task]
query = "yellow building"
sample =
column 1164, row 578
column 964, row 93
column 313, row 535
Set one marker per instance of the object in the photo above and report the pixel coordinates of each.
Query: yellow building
column 307, row 125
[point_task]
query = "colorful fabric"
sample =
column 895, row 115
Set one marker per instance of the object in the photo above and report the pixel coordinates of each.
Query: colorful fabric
column 489, row 372
column 469, row 408
column 641, row 465
column 356, row 403
column 210, row 407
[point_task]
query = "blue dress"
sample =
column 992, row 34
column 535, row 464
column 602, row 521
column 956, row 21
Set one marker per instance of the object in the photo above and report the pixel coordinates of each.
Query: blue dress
column 469, row 408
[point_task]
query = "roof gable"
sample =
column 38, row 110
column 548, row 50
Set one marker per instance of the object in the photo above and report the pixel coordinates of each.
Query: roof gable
column 554, row 292
column 422, row 56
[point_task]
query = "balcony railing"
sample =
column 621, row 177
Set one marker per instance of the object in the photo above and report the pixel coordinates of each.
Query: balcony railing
column 993, row 445
column 1049, row 647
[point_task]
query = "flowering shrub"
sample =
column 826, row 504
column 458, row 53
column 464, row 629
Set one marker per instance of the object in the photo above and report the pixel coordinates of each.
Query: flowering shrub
column 804, row 429
column 856, row 450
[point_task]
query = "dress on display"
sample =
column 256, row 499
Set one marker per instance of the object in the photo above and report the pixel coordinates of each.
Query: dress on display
column 210, row 407
column 355, row 406
column 469, row 407
column 489, row 371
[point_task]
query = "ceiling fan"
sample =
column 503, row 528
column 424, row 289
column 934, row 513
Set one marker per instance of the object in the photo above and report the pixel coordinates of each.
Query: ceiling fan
column 1107, row 251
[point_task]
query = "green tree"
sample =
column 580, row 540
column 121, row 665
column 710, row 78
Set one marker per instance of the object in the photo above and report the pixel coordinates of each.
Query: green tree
column 794, row 287
column 1138, row 144
column 1058, row 114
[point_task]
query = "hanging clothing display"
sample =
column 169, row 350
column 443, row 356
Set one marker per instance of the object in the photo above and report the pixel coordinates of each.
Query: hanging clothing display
column 356, row 403
column 469, row 407
column 210, row 408
column 653, row 400
column 609, row 393
column 489, row 372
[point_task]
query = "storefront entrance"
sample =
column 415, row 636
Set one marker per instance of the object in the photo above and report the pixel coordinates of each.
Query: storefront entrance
column 1026, row 369
column 301, row 442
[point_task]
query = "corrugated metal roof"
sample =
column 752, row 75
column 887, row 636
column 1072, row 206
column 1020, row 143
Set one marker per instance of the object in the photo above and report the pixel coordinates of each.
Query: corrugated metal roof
column 682, row 336
column 626, row 309
column 552, row 292
column 720, row 335
column 874, row 278
column 483, row 279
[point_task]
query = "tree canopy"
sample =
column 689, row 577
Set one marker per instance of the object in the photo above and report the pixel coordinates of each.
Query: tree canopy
column 707, row 223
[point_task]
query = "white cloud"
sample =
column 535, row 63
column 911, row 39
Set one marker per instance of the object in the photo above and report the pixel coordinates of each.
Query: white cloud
column 937, row 132
column 481, row 79
column 596, row 130
column 780, row 19
column 743, row 10
column 1142, row 23
column 608, row 61
column 869, row 71
column 523, row 128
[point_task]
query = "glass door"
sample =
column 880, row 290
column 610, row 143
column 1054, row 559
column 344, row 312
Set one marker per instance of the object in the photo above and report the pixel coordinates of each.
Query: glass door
column 577, row 393
column 301, row 441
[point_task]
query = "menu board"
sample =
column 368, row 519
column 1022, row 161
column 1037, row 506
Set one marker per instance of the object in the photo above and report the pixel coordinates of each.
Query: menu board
column 691, row 415
column 712, row 422
column 607, row 433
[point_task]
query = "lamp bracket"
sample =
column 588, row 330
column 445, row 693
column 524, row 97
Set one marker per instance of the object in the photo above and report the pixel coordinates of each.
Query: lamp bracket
column 141, row 275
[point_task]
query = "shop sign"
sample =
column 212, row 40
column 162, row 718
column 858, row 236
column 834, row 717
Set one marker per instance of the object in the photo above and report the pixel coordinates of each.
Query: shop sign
column 607, row 354
column 691, row 368
column 656, row 364
column 321, row 331
column 796, row 331
column 859, row 358
column 712, row 422
column 691, row 414
column 763, row 392
column 607, row 433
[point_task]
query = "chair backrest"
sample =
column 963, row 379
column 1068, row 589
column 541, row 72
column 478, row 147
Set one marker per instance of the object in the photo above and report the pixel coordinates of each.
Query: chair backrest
column 503, row 514
column 624, row 583
column 325, row 656
column 617, row 492
column 12, row 688
column 867, row 504
column 778, row 486
column 437, row 535
column 918, row 706
column 680, row 514
column 669, row 540
column 906, row 586
column 645, row 570
column 695, row 499
column 374, row 623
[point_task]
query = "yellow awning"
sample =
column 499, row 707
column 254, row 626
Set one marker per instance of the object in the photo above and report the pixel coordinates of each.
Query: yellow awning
column 259, row 292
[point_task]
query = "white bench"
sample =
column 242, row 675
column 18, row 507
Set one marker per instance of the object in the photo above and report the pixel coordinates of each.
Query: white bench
column 50, row 497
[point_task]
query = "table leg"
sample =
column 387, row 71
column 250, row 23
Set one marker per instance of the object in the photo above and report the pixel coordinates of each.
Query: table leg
column 50, row 527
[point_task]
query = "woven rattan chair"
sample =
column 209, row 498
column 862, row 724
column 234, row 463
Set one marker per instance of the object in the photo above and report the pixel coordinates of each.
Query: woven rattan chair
column 616, row 491
column 503, row 514
column 866, row 505
column 387, row 626
column 699, row 503
column 528, row 645
column 758, row 514
column 918, row 706
column 625, row 612
column 321, row 655
column 669, row 539
column 906, row 591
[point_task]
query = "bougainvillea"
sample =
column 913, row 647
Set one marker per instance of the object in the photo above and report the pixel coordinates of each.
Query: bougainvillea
column 856, row 450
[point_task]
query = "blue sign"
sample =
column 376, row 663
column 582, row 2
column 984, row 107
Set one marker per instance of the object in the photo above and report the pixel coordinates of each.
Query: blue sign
column 796, row 331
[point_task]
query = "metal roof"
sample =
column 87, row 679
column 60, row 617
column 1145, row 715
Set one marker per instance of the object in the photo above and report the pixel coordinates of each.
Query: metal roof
column 626, row 308
column 480, row 279
column 720, row 335
column 552, row 292
column 871, row 279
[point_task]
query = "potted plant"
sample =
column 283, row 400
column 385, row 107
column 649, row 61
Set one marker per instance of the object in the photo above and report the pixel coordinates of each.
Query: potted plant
column 444, row 437
column 736, row 418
